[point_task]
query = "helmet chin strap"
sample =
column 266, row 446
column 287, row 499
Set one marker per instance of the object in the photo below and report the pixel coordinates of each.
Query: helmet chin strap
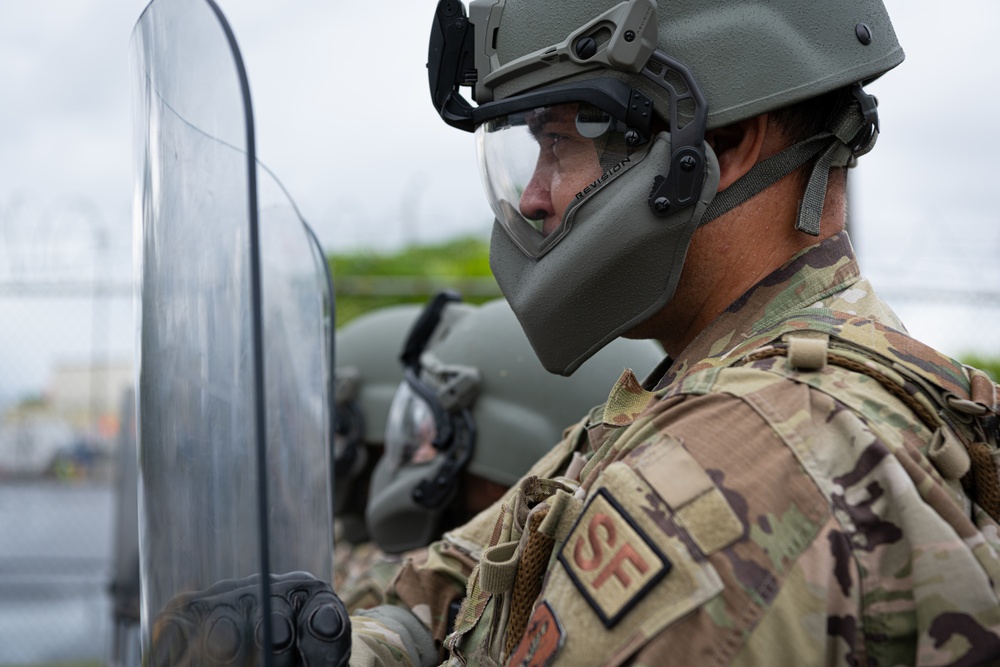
column 851, row 133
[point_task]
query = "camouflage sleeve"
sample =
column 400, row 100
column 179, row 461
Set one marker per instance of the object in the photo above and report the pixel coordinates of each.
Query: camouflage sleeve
column 410, row 628
column 363, row 573
column 388, row 635
column 853, row 548
column 432, row 584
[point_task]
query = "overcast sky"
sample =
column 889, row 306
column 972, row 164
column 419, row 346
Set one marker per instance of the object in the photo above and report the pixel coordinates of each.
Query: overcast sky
column 343, row 117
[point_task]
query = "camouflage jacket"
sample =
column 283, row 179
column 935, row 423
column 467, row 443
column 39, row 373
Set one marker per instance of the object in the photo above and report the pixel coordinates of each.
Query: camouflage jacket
column 806, row 485
column 362, row 573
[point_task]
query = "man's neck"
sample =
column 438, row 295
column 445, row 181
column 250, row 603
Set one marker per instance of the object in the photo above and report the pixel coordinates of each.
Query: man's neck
column 730, row 255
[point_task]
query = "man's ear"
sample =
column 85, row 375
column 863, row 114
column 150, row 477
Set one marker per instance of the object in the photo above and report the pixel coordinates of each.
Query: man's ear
column 738, row 147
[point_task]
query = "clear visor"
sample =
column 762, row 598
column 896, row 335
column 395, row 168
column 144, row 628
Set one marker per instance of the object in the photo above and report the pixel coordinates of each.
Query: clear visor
column 410, row 430
column 536, row 165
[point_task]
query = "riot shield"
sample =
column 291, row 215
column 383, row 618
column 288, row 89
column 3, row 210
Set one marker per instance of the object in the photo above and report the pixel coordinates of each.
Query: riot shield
column 234, row 312
column 124, row 584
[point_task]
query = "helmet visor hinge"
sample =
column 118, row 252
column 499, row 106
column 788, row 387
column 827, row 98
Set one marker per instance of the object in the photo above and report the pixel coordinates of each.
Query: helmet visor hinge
column 681, row 185
column 457, row 386
column 436, row 490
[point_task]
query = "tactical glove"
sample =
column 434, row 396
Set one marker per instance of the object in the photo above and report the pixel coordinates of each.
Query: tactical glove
column 221, row 625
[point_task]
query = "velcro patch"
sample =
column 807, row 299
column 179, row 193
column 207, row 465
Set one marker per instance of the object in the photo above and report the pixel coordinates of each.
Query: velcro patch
column 697, row 502
column 610, row 559
column 541, row 641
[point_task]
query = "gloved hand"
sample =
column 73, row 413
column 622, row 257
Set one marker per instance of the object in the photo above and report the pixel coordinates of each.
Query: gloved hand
column 221, row 625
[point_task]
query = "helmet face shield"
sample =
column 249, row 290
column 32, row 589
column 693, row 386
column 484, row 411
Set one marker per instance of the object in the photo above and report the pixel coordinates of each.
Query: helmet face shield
column 429, row 441
column 538, row 163
column 410, row 431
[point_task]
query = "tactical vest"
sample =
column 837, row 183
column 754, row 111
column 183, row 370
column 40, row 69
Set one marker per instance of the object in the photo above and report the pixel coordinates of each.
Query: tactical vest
column 958, row 405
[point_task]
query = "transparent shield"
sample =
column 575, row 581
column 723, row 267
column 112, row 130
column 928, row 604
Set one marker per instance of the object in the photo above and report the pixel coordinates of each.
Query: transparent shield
column 538, row 164
column 124, row 585
column 410, row 430
column 298, row 311
column 234, row 312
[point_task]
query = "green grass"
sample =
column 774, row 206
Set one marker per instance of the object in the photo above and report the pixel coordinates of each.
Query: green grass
column 368, row 280
column 989, row 364
column 461, row 257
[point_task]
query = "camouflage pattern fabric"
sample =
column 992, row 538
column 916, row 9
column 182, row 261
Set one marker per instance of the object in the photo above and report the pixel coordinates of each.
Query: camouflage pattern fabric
column 362, row 573
column 428, row 585
column 431, row 583
column 798, row 489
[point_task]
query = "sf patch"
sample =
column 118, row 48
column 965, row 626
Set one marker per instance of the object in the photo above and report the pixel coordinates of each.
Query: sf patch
column 541, row 641
column 610, row 559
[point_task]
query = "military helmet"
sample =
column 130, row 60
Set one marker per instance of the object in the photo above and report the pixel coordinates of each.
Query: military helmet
column 368, row 369
column 367, row 375
column 476, row 399
column 590, row 129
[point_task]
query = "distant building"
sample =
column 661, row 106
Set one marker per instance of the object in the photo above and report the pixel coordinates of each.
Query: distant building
column 80, row 392
column 75, row 420
column 31, row 440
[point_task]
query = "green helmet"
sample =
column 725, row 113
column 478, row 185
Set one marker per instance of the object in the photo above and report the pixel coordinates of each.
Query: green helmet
column 590, row 126
column 476, row 399
column 367, row 375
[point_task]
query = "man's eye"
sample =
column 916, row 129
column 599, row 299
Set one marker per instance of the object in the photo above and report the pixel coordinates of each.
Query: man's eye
column 549, row 141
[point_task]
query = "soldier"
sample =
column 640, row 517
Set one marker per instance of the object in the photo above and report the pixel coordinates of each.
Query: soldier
column 499, row 411
column 801, row 483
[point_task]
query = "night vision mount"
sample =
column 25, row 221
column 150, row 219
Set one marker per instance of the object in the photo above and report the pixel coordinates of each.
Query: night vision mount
column 451, row 63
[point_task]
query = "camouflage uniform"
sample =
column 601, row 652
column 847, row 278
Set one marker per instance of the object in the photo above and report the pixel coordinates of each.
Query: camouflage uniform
column 795, row 490
column 361, row 573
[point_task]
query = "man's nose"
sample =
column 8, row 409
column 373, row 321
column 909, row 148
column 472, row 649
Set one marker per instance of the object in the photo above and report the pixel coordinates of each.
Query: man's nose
column 536, row 200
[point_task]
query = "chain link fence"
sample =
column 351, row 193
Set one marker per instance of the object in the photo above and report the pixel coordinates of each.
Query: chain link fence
column 65, row 373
